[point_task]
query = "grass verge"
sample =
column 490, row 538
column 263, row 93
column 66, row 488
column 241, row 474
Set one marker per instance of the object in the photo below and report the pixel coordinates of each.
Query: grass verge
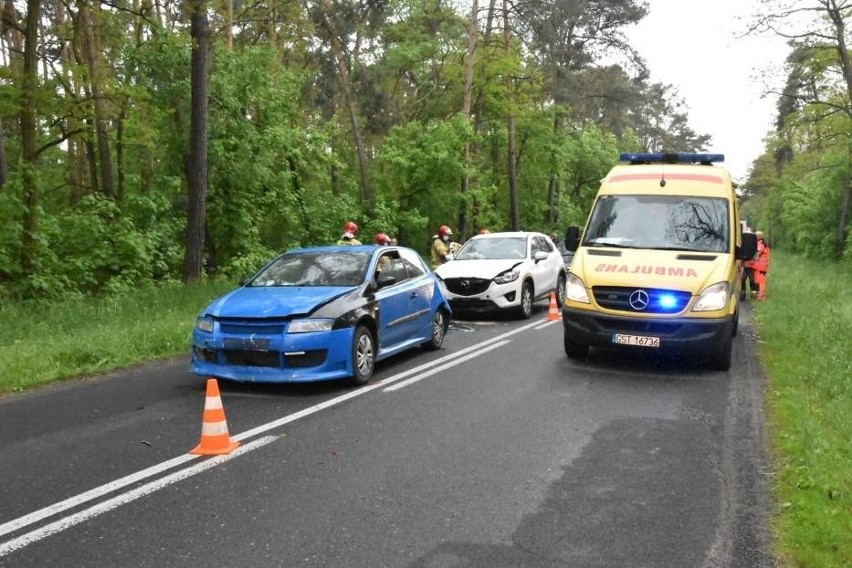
column 44, row 342
column 805, row 329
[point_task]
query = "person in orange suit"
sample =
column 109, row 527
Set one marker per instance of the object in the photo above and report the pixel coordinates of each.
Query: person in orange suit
column 761, row 265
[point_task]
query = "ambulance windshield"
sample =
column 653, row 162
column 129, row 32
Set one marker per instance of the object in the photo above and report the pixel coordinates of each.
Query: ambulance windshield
column 660, row 222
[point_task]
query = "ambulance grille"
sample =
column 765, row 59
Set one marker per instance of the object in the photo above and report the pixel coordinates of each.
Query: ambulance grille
column 601, row 252
column 618, row 298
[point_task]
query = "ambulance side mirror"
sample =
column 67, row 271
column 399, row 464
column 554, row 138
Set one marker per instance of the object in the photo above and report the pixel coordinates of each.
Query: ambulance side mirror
column 572, row 238
column 748, row 248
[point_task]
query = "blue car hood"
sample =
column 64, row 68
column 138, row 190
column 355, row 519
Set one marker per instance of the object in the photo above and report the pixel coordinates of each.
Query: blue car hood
column 273, row 301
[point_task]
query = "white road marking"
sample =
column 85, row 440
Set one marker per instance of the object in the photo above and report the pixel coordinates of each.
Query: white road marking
column 429, row 368
column 452, row 363
column 124, row 498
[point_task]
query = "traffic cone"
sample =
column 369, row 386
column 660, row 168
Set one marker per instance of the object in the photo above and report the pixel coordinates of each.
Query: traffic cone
column 215, row 439
column 553, row 313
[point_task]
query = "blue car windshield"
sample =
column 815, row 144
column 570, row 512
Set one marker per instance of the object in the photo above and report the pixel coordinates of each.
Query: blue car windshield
column 494, row 248
column 315, row 269
column 660, row 222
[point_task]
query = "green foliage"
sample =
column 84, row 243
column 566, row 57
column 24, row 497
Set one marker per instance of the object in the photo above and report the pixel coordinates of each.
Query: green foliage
column 420, row 167
column 44, row 341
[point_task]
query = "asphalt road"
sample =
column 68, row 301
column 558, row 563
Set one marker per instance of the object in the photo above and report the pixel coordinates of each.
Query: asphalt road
column 496, row 451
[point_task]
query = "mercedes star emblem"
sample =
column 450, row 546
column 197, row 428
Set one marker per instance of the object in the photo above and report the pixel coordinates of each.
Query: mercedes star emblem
column 639, row 300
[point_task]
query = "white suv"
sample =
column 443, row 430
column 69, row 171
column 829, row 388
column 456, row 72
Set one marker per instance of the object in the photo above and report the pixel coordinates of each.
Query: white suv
column 504, row 271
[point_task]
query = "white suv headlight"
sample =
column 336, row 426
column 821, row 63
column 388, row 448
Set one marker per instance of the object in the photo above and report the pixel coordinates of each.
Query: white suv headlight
column 575, row 290
column 506, row 277
column 713, row 298
column 309, row 325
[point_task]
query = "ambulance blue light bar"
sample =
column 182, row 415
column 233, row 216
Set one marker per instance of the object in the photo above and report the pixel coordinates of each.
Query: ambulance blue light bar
column 671, row 158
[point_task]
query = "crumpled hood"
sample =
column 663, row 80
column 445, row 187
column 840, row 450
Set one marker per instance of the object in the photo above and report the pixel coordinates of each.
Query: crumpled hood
column 654, row 268
column 481, row 268
column 273, row 301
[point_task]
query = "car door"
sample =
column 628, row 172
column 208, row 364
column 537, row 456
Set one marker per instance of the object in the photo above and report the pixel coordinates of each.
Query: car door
column 546, row 271
column 422, row 291
column 397, row 302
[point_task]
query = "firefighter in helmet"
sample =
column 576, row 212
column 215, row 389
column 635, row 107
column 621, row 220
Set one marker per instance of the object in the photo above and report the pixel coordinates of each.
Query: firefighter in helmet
column 442, row 247
column 350, row 230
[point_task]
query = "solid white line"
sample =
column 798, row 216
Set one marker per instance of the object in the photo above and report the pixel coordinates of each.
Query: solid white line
column 546, row 324
column 452, row 363
column 124, row 498
column 36, row 516
column 370, row 387
column 102, row 490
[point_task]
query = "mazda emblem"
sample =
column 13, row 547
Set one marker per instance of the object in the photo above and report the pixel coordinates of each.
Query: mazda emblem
column 465, row 284
column 639, row 300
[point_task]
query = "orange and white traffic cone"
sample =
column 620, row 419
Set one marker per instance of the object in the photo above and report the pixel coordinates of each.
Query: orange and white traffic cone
column 553, row 313
column 215, row 439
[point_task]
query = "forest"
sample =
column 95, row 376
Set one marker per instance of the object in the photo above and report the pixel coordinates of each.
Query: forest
column 147, row 141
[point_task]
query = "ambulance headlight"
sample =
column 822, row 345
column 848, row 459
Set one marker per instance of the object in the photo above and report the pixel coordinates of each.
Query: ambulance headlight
column 575, row 290
column 713, row 298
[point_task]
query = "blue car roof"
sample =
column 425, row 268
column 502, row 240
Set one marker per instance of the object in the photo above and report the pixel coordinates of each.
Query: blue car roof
column 337, row 248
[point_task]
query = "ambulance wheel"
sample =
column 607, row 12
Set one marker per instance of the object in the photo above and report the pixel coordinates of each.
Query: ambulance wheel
column 573, row 350
column 722, row 359
column 736, row 322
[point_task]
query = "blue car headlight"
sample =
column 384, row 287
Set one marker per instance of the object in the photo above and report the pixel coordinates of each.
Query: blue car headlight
column 204, row 323
column 506, row 277
column 310, row 325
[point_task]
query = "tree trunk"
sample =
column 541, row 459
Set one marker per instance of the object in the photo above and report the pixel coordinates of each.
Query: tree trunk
column 196, row 174
column 837, row 18
column 843, row 220
column 29, row 146
column 551, row 217
column 472, row 29
column 351, row 107
column 511, row 169
column 4, row 168
column 100, row 104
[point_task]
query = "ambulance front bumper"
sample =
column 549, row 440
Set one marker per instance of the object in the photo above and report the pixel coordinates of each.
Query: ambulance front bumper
column 682, row 334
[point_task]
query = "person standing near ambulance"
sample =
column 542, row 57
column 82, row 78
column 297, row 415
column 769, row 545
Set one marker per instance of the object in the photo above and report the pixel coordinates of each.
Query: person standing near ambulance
column 748, row 284
column 760, row 265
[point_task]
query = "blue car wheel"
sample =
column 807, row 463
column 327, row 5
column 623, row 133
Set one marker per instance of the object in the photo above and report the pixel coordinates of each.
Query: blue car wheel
column 439, row 330
column 363, row 356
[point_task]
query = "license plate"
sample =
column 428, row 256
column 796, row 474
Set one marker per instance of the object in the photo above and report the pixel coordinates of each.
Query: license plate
column 640, row 340
column 247, row 344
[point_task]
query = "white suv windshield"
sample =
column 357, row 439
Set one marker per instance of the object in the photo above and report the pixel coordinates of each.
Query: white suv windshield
column 660, row 222
column 493, row 248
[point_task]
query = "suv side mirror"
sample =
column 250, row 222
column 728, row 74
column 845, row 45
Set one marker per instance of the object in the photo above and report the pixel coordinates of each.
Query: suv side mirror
column 572, row 238
column 748, row 248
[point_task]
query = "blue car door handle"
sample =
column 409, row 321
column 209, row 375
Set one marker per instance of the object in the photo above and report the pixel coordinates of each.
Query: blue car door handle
column 413, row 295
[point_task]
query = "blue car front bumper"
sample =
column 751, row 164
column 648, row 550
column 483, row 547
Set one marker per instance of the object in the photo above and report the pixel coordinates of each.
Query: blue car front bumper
column 285, row 358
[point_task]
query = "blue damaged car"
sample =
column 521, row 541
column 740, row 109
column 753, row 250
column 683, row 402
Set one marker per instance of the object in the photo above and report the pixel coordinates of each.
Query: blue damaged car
column 322, row 313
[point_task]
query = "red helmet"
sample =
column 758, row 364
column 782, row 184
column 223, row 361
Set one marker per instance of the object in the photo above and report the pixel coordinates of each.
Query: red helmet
column 382, row 239
column 350, row 227
column 445, row 230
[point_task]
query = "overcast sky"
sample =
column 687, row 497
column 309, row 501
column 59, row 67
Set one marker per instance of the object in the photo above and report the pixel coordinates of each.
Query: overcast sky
column 694, row 47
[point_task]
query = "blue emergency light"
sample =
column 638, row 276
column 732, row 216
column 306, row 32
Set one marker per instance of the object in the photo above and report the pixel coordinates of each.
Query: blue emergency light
column 671, row 158
column 668, row 303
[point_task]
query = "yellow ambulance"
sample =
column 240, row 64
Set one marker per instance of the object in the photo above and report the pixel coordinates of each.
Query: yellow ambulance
column 657, row 266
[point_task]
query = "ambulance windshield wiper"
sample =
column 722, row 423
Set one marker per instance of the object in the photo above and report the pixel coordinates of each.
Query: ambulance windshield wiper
column 681, row 249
